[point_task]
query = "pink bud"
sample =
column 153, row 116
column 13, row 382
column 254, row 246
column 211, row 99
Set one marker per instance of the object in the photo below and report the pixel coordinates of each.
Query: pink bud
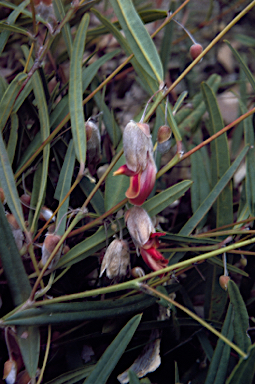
column 195, row 50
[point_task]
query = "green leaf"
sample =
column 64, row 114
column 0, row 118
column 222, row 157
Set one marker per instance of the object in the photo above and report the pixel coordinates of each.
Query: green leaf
column 218, row 367
column 28, row 338
column 115, row 186
column 45, row 132
column 66, row 30
column 83, row 311
column 8, row 99
column 208, row 202
column 246, row 70
column 241, row 317
column 12, row 264
column 163, row 199
column 97, row 200
column 63, row 186
column 73, row 376
column 29, row 343
column 11, row 20
column 133, row 379
column 249, row 162
column 75, row 92
column 9, row 186
column 200, row 188
column 111, row 356
column 220, row 158
column 12, row 142
column 13, row 29
column 138, row 38
column 244, row 370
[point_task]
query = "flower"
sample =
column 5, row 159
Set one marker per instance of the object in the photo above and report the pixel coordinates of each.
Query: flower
column 143, row 233
column 140, row 165
column 116, row 261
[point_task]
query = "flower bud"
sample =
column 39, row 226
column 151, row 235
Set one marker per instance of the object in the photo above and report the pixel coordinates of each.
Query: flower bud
column 116, row 260
column 46, row 214
column 243, row 261
column 223, row 280
column 139, row 225
column 164, row 134
column 195, row 50
column 49, row 245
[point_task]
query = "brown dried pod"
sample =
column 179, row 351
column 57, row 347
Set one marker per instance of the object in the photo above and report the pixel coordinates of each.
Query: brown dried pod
column 16, row 231
column 49, row 245
column 139, row 225
column 137, row 272
column 164, row 134
column 10, row 371
column 116, row 260
column 195, row 50
column 223, row 280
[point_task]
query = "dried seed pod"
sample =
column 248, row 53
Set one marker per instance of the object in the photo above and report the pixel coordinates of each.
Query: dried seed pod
column 164, row 134
column 137, row 272
column 223, row 280
column 139, row 225
column 195, row 50
column 46, row 214
column 49, row 245
column 10, row 371
column 16, row 231
column 116, row 260
column 93, row 145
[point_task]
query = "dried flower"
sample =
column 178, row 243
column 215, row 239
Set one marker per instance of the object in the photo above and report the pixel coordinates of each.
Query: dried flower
column 143, row 233
column 164, row 134
column 116, row 260
column 140, row 164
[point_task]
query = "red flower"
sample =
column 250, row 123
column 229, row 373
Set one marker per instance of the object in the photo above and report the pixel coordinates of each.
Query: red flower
column 151, row 255
column 143, row 233
column 140, row 165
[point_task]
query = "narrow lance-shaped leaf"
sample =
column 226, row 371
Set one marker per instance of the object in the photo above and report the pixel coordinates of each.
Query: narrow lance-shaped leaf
column 208, row 202
column 63, row 186
column 75, row 91
column 11, row 20
column 45, row 132
column 113, row 353
column 28, row 337
column 244, row 370
column 220, row 158
column 139, row 39
column 219, row 364
column 241, row 317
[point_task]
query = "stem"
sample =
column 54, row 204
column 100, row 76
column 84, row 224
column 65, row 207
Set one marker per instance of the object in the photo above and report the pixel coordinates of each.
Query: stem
column 45, row 355
column 147, row 289
column 176, row 159
column 134, row 283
